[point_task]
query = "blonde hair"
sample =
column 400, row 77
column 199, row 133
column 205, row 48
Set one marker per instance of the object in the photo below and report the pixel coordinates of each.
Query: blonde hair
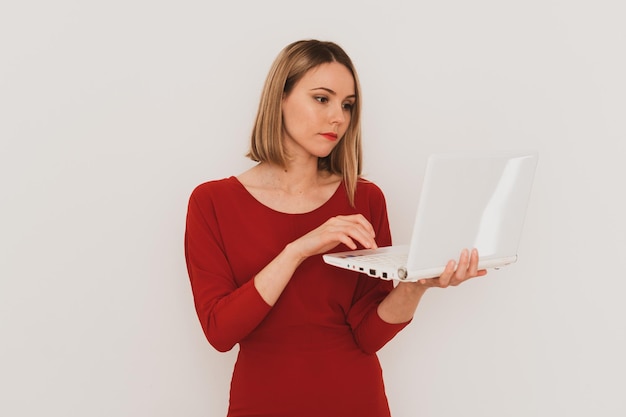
column 289, row 67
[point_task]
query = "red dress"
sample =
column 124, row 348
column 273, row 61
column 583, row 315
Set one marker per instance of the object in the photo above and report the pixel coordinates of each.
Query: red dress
column 314, row 352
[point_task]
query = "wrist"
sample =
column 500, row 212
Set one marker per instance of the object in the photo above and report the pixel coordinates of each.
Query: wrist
column 412, row 288
column 292, row 253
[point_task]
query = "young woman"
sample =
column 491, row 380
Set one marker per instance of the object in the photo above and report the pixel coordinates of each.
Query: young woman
column 308, row 333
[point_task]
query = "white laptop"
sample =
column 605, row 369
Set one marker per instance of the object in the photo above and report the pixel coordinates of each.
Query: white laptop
column 468, row 200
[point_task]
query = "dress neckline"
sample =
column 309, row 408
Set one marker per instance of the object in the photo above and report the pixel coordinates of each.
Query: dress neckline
column 334, row 196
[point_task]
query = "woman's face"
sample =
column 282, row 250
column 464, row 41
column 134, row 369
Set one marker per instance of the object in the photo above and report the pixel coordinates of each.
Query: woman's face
column 317, row 111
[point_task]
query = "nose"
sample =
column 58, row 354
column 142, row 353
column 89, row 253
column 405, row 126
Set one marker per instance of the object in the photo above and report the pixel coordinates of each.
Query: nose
column 337, row 114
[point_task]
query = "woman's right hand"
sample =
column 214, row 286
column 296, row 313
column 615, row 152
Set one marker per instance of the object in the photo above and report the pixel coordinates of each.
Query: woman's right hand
column 349, row 230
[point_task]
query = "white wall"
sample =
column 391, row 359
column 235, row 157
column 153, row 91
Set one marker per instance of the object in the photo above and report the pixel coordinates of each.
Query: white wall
column 111, row 112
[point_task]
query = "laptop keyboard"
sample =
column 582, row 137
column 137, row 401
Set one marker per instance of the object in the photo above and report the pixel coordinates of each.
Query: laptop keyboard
column 385, row 259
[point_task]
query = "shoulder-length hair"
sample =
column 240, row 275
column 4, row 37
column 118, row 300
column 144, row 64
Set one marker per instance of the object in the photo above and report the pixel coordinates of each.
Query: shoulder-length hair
column 289, row 67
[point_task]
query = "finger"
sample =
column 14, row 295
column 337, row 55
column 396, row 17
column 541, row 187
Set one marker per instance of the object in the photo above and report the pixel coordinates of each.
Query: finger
column 473, row 271
column 429, row 282
column 359, row 229
column 360, row 220
column 444, row 278
column 347, row 241
column 461, row 270
column 336, row 234
column 366, row 224
column 473, row 267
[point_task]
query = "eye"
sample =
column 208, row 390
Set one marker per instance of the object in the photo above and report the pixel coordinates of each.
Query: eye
column 321, row 99
column 348, row 106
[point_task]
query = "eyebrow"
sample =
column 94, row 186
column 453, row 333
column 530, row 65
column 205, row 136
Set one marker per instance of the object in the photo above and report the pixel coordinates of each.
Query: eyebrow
column 332, row 92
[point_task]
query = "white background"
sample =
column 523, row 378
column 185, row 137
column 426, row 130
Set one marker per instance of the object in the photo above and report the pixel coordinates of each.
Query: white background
column 111, row 112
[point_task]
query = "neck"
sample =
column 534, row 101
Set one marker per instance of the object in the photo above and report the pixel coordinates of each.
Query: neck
column 293, row 177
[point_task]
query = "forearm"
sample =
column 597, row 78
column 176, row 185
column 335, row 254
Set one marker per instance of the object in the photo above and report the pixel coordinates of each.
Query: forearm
column 400, row 304
column 231, row 318
column 229, row 315
column 272, row 280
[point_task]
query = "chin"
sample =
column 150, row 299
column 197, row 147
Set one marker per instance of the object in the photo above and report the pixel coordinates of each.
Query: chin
column 323, row 153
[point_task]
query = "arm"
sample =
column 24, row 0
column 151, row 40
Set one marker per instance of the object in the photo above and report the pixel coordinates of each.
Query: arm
column 401, row 303
column 370, row 331
column 228, row 312
column 382, row 310
column 272, row 280
column 218, row 299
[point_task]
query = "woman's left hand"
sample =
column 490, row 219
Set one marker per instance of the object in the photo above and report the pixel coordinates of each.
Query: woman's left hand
column 401, row 303
column 456, row 273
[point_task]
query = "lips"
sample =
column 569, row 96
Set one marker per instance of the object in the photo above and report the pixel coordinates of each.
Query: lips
column 330, row 136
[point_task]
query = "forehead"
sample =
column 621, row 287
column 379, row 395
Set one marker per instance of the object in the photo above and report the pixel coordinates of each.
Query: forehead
column 332, row 75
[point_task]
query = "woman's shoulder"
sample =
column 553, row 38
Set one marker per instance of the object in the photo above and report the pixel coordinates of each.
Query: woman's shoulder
column 217, row 187
column 368, row 187
column 369, row 194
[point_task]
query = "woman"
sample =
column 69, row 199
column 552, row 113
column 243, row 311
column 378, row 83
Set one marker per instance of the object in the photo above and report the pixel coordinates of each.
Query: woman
column 308, row 333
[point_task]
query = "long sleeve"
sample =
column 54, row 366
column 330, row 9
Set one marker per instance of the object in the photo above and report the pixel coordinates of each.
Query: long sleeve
column 227, row 312
column 370, row 331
